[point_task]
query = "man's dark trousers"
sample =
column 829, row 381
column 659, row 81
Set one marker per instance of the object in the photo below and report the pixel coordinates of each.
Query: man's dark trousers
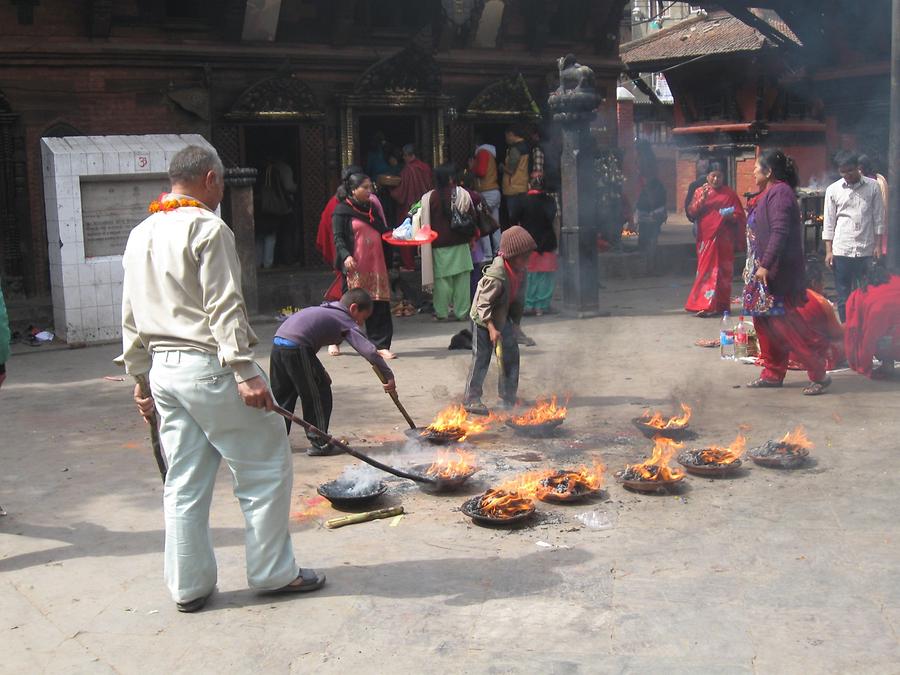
column 849, row 273
column 297, row 372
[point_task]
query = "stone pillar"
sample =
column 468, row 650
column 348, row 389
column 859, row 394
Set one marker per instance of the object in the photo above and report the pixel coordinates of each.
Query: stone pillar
column 573, row 105
column 239, row 182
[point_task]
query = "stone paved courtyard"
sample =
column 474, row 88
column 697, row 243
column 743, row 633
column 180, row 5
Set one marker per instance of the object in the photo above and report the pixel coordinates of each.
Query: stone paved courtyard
column 769, row 572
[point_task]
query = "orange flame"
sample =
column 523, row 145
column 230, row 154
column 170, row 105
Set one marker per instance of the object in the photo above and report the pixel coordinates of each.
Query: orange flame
column 454, row 419
column 629, row 233
column 675, row 422
column 720, row 455
column 539, row 484
column 543, row 411
column 449, row 464
column 499, row 503
column 798, row 439
column 657, row 467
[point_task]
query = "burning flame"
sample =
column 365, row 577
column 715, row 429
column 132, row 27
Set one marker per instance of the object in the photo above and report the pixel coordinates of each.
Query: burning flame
column 797, row 438
column 657, row 467
column 455, row 420
column 539, row 484
column 627, row 232
column 676, row 422
column 543, row 411
column 449, row 464
column 719, row 455
column 498, row 503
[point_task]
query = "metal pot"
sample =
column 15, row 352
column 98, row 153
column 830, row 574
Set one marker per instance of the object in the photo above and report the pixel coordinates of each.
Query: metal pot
column 536, row 430
column 442, row 484
column 675, row 434
column 686, row 459
column 470, row 507
column 337, row 492
column 435, row 437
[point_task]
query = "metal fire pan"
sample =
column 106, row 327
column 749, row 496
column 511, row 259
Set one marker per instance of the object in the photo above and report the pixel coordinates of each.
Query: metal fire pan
column 470, row 508
column 434, row 437
column 648, row 485
column 677, row 434
column 709, row 470
column 336, row 492
column 443, row 484
column 785, row 461
column 575, row 495
column 536, row 430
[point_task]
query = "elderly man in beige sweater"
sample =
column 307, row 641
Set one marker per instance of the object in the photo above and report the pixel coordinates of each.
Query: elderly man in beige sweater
column 185, row 322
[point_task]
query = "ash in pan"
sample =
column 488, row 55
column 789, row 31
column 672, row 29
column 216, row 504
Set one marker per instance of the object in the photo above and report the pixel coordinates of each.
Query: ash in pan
column 777, row 449
column 632, row 474
column 359, row 479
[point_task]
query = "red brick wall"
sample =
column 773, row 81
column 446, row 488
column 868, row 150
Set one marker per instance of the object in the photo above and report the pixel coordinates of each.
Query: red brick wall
column 96, row 101
column 743, row 179
column 686, row 172
column 811, row 161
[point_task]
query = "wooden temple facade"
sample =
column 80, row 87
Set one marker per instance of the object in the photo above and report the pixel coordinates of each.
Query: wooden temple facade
column 312, row 82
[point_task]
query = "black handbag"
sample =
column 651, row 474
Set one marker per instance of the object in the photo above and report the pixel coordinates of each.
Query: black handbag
column 486, row 223
column 463, row 223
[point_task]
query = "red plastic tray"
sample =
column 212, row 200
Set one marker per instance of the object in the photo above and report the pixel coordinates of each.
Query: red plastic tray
column 408, row 242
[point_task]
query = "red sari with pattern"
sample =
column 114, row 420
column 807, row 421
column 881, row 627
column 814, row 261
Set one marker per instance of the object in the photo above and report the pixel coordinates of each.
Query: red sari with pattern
column 717, row 238
column 371, row 272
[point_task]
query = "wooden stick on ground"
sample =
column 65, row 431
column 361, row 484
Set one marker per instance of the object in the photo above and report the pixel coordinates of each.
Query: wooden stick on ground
column 363, row 517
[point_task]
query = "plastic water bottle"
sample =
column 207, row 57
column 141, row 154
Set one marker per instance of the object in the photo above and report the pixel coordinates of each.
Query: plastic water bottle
column 726, row 338
column 741, row 339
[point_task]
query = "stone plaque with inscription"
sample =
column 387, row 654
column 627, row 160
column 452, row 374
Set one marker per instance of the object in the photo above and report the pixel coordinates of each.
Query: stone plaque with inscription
column 110, row 208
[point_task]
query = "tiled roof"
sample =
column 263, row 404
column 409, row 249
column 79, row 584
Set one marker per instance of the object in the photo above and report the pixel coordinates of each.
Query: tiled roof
column 717, row 33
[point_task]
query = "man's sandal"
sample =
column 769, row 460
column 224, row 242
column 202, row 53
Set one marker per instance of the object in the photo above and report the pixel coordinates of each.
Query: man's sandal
column 308, row 581
column 760, row 383
column 194, row 605
column 817, row 388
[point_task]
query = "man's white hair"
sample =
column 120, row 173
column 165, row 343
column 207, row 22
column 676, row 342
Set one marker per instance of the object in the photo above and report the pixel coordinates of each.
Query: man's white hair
column 194, row 162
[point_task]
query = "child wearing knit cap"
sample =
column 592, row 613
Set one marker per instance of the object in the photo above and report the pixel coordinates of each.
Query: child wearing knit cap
column 496, row 309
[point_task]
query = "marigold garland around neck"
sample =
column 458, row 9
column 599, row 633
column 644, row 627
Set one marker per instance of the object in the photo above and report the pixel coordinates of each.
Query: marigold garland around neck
column 165, row 203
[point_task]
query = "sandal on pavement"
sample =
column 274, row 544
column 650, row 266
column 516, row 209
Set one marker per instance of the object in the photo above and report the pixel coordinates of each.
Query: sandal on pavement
column 817, row 388
column 387, row 354
column 760, row 383
column 194, row 605
column 305, row 582
column 476, row 407
column 334, row 350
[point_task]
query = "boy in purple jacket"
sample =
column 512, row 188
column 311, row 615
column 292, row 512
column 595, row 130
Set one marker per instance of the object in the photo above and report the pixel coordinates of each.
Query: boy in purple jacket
column 295, row 370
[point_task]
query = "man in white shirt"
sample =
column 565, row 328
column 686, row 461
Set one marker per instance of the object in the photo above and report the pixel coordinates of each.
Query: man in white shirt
column 185, row 322
column 853, row 227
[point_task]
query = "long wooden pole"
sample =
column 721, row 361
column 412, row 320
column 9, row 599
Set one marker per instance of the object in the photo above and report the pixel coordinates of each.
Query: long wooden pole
column 350, row 451
column 155, row 443
column 396, row 399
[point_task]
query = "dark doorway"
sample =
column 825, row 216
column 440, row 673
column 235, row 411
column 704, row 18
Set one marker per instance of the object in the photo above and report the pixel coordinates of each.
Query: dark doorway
column 395, row 131
column 265, row 147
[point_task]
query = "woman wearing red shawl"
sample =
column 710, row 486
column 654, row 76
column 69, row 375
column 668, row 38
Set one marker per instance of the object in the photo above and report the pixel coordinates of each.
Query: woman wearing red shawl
column 775, row 258
column 415, row 181
column 359, row 254
column 720, row 229
column 873, row 324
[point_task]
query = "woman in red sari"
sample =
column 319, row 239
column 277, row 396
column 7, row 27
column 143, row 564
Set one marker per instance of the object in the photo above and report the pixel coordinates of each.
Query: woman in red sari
column 720, row 220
